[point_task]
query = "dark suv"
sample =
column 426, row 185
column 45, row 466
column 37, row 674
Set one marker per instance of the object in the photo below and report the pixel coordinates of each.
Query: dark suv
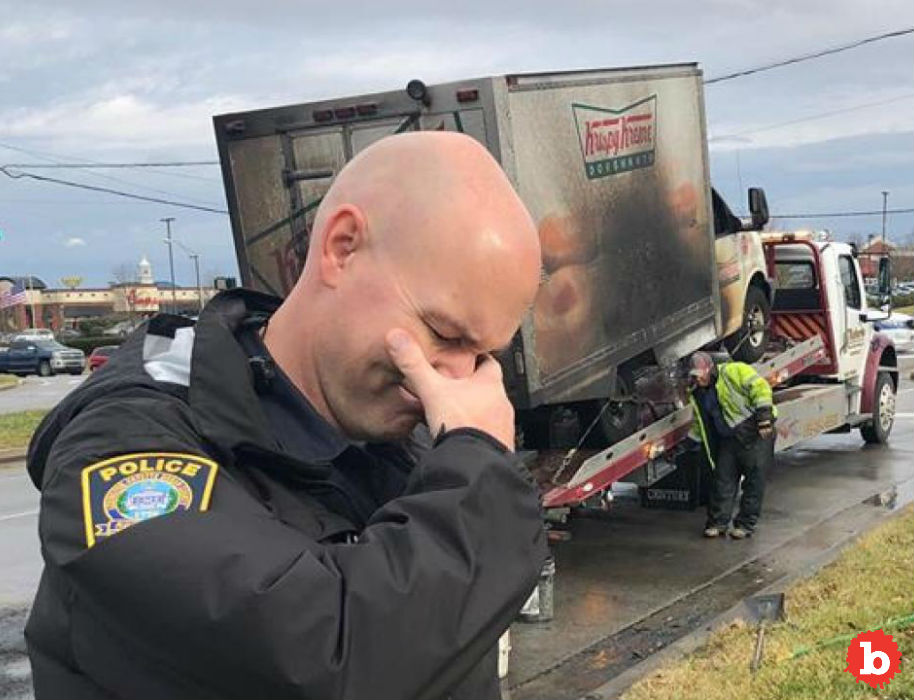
column 41, row 356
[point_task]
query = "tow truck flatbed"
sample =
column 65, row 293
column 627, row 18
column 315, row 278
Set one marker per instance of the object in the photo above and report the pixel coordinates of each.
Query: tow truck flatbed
column 815, row 409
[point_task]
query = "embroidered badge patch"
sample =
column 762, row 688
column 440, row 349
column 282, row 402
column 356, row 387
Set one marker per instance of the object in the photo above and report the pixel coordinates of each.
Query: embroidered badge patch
column 125, row 490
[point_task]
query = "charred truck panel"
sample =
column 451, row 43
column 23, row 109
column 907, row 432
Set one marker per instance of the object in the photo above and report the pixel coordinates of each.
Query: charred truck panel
column 612, row 164
column 613, row 168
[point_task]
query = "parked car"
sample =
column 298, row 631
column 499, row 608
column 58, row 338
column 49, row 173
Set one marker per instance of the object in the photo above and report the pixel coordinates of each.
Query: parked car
column 900, row 328
column 34, row 333
column 68, row 333
column 41, row 356
column 121, row 329
column 100, row 355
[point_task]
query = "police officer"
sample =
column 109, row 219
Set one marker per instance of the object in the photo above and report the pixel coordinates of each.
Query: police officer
column 242, row 507
column 734, row 423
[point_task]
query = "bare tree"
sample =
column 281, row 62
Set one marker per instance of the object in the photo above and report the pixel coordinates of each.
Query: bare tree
column 124, row 273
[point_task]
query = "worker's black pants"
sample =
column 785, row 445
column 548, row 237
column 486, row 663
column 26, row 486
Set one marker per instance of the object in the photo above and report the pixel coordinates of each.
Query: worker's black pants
column 734, row 460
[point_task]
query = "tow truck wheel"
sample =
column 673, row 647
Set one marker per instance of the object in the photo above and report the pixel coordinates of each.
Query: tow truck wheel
column 877, row 431
column 749, row 342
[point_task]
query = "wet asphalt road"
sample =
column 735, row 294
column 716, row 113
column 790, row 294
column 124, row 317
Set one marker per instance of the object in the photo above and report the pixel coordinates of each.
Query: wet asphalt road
column 39, row 392
column 622, row 570
column 615, row 572
column 21, row 567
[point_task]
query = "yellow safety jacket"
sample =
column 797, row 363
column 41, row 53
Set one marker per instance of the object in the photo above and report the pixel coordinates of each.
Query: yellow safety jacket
column 741, row 392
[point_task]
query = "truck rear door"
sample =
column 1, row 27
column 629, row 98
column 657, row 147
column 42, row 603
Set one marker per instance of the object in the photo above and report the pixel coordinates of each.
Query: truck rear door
column 278, row 164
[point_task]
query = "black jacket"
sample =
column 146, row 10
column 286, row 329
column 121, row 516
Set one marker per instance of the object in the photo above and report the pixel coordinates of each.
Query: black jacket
column 273, row 591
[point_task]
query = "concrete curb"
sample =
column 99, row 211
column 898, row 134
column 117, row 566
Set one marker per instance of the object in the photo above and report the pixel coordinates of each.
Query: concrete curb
column 10, row 456
column 5, row 387
column 613, row 689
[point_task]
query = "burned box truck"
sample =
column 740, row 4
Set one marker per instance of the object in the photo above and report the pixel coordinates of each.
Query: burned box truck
column 613, row 166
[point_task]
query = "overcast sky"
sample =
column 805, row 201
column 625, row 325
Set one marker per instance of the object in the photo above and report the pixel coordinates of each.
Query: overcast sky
column 116, row 81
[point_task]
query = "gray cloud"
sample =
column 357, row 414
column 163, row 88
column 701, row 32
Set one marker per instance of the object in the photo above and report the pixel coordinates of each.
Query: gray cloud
column 141, row 81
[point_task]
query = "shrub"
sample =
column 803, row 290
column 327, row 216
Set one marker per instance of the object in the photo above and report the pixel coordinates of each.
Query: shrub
column 87, row 345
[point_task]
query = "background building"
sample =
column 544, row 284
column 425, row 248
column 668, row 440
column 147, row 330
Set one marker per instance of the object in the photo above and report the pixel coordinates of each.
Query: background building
column 902, row 258
column 27, row 302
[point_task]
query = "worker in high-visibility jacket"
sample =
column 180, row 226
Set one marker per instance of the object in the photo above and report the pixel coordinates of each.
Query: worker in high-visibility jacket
column 734, row 417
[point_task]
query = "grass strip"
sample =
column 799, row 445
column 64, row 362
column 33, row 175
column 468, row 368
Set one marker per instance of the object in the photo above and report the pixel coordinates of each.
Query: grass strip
column 869, row 586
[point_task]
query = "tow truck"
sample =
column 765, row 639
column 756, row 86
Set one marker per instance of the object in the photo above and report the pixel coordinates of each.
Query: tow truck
column 830, row 371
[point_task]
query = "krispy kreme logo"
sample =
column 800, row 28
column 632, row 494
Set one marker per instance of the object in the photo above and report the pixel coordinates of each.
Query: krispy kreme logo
column 616, row 141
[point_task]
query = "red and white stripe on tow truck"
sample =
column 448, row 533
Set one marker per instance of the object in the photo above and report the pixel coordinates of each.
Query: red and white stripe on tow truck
column 613, row 463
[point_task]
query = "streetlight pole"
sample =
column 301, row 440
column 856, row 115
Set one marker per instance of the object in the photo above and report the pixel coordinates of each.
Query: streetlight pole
column 171, row 262
column 196, row 258
column 885, row 199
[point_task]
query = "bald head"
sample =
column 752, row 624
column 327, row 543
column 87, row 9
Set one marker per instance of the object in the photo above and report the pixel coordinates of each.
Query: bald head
column 422, row 231
column 426, row 196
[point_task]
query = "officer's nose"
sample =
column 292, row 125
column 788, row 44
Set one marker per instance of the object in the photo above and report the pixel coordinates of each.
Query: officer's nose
column 456, row 363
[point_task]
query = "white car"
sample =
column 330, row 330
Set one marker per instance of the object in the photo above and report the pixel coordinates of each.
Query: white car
column 35, row 334
column 900, row 328
column 121, row 329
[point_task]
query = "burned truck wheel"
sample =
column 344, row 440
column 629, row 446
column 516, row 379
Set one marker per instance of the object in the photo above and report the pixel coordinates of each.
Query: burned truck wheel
column 620, row 419
column 749, row 342
column 877, row 431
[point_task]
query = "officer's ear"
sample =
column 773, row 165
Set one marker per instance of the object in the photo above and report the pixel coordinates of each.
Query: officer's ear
column 344, row 235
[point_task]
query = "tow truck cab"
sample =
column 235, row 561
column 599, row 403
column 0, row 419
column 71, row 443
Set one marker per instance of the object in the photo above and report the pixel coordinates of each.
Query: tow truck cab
column 820, row 291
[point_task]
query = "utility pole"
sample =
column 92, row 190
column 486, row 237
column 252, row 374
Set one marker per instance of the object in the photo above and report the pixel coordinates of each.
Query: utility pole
column 885, row 199
column 171, row 262
column 196, row 258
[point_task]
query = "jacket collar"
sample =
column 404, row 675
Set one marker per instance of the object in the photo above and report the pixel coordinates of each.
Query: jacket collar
column 221, row 395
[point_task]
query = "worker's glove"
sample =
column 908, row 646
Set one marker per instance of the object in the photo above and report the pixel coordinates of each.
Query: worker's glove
column 765, row 422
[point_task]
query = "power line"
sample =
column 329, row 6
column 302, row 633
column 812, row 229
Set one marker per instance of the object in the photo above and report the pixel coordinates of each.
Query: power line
column 185, row 205
column 809, row 56
column 823, row 215
column 57, row 158
column 812, row 117
column 168, row 164
column 129, row 195
column 834, row 214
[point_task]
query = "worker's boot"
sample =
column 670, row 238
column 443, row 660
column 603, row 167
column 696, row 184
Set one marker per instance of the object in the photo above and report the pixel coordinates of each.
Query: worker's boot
column 738, row 533
column 713, row 531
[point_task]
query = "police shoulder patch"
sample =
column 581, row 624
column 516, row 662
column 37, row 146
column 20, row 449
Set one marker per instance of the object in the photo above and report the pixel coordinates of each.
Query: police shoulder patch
column 121, row 491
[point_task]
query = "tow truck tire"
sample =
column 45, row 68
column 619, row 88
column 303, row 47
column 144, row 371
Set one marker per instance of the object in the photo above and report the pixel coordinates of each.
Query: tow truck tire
column 756, row 322
column 44, row 369
column 877, row 431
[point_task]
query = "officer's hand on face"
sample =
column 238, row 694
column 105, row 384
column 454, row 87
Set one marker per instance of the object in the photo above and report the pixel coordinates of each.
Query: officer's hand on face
column 478, row 401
